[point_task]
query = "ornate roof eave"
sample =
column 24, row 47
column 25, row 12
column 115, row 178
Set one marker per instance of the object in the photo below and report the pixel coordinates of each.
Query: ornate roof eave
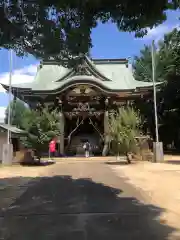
column 16, row 89
column 27, row 92
column 46, row 93
column 150, row 87
column 143, row 89
column 73, row 83
column 112, row 92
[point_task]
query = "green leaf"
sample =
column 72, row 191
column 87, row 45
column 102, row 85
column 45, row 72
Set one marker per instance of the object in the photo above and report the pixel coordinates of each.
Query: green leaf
column 124, row 126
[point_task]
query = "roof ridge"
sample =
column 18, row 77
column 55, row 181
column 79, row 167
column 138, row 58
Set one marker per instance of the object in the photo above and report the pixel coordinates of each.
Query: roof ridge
column 101, row 75
column 93, row 60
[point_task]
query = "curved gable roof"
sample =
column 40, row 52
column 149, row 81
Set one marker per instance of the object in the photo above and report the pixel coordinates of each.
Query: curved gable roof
column 112, row 75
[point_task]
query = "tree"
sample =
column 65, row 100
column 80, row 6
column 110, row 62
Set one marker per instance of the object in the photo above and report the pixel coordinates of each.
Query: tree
column 125, row 126
column 18, row 112
column 41, row 127
column 167, row 59
column 62, row 29
column 168, row 98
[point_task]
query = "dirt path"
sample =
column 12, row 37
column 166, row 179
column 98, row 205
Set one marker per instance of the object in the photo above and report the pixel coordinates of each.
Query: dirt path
column 82, row 201
column 159, row 184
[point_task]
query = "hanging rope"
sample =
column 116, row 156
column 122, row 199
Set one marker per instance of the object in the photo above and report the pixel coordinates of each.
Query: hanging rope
column 69, row 136
column 97, row 130
column 77, row 122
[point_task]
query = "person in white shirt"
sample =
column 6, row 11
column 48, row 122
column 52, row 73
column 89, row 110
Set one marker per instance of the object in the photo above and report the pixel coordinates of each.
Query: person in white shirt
column 87, row 149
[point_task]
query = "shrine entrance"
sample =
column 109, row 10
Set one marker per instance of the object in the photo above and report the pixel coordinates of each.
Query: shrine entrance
column 83, row 107
column 80, row 131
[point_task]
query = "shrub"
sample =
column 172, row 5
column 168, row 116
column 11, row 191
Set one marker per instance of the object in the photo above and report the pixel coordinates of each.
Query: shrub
column 124, row 127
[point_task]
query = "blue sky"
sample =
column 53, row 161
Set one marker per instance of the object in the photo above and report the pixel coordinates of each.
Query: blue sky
column 108, row 42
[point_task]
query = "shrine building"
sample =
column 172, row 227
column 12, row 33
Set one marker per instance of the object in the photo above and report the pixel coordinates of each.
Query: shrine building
column 84, row 95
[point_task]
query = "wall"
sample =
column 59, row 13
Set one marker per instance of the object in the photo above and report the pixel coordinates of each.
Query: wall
column 3, row 140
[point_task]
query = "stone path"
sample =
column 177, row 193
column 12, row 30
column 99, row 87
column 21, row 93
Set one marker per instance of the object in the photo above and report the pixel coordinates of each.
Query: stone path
column 83, row 201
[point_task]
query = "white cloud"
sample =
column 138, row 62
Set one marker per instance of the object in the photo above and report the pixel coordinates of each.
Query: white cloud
column 2, row 114
column 158, row 32
column 22, row 75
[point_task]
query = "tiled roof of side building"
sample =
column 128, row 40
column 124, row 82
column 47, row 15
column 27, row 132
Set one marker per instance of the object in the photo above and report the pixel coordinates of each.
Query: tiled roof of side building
column 11, row 128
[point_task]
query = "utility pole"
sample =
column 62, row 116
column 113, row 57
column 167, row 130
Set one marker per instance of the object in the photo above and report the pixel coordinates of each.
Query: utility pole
column 10, row 94
column 157, row 146
column 154, row 89
column 7, row 156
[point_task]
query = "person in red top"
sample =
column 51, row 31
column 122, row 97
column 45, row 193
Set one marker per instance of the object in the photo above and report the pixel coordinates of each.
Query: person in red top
column 52, row 148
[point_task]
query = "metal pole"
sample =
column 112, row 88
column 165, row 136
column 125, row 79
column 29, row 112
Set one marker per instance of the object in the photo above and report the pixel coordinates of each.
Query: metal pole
column 10, row 94
column 154, row 90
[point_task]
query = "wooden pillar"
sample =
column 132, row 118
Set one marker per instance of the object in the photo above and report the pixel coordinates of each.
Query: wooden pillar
column 61, row 138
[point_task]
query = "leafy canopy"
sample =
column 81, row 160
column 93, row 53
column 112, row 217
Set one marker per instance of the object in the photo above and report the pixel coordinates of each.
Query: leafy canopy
column 17, row 114
column 167, row 59
column 168, row 99
column 62, row 29
column 41, row 127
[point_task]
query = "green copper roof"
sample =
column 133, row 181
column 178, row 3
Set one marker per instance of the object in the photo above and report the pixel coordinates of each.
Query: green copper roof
column 11, row 128
column 111, row 75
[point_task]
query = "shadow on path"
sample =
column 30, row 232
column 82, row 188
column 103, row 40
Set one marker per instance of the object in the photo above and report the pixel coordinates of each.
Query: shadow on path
column 175, row 162
column 119, row 162
column 63, row 208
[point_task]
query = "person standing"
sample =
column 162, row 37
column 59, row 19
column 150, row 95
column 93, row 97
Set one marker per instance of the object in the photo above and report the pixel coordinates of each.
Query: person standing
column 52, row 148
column 87, row 149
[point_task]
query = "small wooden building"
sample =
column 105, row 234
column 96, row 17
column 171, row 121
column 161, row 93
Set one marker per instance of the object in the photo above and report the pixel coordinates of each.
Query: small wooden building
column 15, row 133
